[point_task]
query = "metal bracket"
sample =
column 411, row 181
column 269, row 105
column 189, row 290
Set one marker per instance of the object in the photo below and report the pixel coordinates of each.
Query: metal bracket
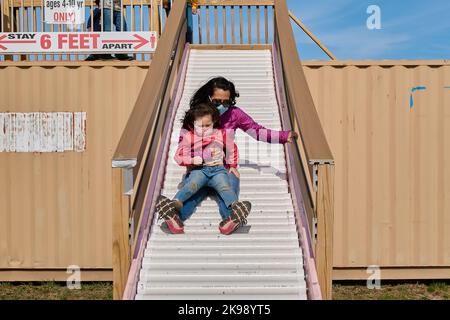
column 127, row 166
column 130, row 231
column 315, row 177
column 314, row 230
column 315, row 171
column 128, row 182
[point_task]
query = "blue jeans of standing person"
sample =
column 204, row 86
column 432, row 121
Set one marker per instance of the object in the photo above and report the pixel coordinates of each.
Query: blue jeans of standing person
column 117, row 21
column 190, row 27
column 190, row 204
column 193, row 190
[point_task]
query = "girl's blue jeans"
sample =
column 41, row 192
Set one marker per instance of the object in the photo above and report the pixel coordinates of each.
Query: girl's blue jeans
column 202, row 180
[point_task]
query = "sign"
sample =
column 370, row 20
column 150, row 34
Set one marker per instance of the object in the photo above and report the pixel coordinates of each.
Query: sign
column 77, row 42
column 43, row 132
column 64, row 11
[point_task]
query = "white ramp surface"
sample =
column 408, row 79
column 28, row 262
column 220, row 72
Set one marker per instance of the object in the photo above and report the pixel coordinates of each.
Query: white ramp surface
column 263, row 260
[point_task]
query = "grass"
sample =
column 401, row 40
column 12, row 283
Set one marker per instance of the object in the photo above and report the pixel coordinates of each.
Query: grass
column 55, row 291
column 434, row 290
column 341, row 291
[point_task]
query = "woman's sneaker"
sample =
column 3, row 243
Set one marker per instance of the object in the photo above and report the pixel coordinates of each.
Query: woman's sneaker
column 238, row 217
column 168, row 210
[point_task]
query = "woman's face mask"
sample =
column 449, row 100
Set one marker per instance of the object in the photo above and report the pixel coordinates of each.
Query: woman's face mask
column 221, row 105
column 222, row 109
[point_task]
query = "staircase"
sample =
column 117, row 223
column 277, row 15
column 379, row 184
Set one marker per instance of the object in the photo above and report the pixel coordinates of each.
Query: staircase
column 263, row 260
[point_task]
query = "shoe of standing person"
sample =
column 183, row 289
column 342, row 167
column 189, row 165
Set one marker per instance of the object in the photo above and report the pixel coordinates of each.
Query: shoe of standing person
column 106, row 57
column 124, row 57
column 92, row 57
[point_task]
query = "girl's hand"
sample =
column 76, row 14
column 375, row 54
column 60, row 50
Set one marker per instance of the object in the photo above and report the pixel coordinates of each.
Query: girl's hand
column 215, row 153
column 292, row 136
column 235, row 172
column 197, row 161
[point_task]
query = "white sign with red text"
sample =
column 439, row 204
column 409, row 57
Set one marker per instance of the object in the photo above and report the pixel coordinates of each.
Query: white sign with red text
column 77, row 42
column 64, row 11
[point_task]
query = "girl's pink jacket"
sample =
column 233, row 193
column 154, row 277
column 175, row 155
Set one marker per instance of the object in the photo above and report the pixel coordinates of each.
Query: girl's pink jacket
column 192, row 145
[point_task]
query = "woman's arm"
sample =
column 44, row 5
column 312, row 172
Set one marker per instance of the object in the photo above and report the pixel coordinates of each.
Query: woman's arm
column 259, row 132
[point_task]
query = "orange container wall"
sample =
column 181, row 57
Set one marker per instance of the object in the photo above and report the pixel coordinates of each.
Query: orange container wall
column 392, row 174
column 392, row 178
column 55, row 208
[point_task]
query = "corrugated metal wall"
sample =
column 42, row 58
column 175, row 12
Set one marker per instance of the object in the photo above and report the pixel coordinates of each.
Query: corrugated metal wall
column 55, row 208
column 392, row 178
column 392, row 154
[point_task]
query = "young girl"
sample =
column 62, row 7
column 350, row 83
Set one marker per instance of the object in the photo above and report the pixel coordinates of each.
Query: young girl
column 223, row 94
column 207, row 151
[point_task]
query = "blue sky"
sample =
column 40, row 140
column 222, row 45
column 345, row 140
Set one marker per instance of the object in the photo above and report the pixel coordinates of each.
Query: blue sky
column 410, row 29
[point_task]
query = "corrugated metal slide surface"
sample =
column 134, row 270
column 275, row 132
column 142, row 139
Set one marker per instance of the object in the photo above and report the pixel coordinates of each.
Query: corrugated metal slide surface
column 263, row 260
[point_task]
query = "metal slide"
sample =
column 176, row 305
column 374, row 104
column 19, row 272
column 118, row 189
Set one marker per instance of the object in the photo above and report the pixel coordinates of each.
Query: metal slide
column 263, row 260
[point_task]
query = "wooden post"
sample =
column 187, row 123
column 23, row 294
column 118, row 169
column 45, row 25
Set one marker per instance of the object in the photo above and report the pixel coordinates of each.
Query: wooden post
column 325, row 214
column 155, row 25
column 121, row 247
column 6, row 22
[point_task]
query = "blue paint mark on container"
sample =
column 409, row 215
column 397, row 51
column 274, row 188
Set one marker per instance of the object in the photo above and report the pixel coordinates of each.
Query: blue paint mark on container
column 411, row 100
column 448, row 87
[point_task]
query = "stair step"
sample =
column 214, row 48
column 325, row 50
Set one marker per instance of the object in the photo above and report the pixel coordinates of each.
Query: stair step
column 206, row 236
column 216, row 241
column 223, row 291
column 222, row 249
column 148, row 281
column 223, row 265
column 201, row 229
column 201, row 297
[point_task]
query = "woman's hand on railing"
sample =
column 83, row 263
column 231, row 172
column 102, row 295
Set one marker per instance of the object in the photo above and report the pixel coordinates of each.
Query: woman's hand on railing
column 293, row 136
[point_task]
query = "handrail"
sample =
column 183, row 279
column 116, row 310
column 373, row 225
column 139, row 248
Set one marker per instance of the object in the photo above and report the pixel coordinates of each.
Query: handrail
column 312, row 135
column 314, row 170
column 137, row 149
column 311, row 35
column 138, row 128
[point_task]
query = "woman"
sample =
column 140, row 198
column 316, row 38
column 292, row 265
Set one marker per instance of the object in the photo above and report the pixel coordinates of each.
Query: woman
column 201, row 135
column 222, row 93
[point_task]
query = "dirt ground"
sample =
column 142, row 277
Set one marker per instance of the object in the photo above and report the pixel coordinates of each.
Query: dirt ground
column 341, row 291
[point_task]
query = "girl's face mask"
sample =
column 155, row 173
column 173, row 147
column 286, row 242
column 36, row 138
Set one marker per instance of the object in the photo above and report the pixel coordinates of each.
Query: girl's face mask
column 202, row 131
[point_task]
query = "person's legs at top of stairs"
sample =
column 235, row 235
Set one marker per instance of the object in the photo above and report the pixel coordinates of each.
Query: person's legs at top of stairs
column 106, row 16
column 117, row 20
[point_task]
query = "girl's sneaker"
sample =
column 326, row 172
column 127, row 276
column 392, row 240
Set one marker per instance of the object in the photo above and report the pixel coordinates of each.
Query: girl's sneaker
column 238, row 217
column 168, row 210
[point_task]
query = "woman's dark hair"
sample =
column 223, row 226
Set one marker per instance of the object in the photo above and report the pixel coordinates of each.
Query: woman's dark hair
column 201, row 110
column 207, row 90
